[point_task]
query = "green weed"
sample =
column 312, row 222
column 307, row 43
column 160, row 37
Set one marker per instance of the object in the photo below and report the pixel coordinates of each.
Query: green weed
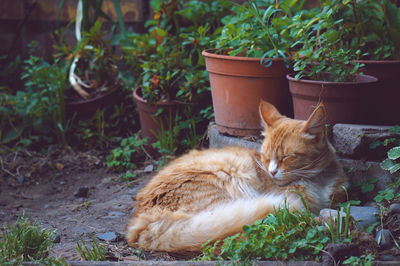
column 282, row 235
column 27, row 241
column 363, row 260
column 122, row 158
column 97, row 252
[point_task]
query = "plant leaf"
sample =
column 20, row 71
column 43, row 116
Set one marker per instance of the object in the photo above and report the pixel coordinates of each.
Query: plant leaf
column 394, row 153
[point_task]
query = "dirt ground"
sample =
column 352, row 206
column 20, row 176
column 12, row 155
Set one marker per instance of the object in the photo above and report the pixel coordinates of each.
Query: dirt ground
column 46, row 188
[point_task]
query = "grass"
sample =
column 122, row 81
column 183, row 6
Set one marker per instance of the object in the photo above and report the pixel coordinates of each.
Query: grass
column 97, row 252
column 27, row 241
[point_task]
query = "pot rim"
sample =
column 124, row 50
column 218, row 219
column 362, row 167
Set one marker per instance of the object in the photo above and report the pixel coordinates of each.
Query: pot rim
column 309, row 81
column 116, row 87
column 378, row 61
column 138, row 98
column 211, row 54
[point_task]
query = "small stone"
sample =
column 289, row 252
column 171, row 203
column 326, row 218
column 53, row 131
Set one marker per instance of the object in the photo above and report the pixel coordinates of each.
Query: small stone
column 365, row 216
column 149, row 168
column 133, row 191
column 116, row 214
column 57, row 239
column 109, row 236
column 388, row 258
column 384, row 238
column 327, row 213
column 80, row 230
column 395, row 207
column 62, row 182
column 82, row 192
column 112, row 215
column 370, row 204
column 20, row 179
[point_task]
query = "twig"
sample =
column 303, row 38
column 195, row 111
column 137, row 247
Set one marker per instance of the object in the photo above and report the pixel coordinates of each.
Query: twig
column 5, row 170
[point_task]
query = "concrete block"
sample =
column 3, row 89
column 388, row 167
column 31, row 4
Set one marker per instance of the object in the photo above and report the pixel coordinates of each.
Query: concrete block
column 353, row 141
column 218, row 140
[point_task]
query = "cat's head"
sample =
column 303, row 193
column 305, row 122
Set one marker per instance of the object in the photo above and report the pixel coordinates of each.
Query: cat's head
column 293, row 149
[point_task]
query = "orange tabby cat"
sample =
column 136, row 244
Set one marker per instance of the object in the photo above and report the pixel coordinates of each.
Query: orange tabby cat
column 211, row 194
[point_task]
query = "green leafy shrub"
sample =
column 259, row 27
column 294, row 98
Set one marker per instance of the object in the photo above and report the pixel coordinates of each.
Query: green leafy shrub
column 27, row 241
column 363, row 260
column 37, row 113
column 320, row 54
column 122, row 158
column 257, row 30
column 371, row 26
column 282, row 235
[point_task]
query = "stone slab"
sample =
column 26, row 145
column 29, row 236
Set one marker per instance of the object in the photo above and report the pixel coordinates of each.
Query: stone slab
column 353, row 141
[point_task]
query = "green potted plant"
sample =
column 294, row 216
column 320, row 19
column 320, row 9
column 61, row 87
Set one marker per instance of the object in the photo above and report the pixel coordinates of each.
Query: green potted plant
column 167, row 67
column 326, row 71
column 93, row 73
column 156, row 96
column 250, row 63
column 374, row 28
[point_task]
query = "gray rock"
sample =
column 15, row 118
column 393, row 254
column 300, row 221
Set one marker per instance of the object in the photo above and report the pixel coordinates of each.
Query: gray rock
column 80, row 230
column 20, row 179
column 112, row 215
column 327, row 214
column 384, row 238
column 110, row 237
column 116, row 214
column 361, row 171
column 218, row 140
column 388, row 258
column 365, row 216
column 82, row 192
column 395, row 207
column 354, row 141
column 57, row 239
column 370, row 204
column 133, row 191
column 149, row 168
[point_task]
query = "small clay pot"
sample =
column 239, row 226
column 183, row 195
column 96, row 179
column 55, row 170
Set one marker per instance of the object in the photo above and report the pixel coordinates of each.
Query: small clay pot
column 151, row 124
column 345, row 102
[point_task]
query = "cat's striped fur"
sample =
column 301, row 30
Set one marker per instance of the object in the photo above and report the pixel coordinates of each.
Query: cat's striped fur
column 211, row 194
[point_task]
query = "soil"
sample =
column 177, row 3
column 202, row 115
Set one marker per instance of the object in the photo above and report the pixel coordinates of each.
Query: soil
column 45, row 187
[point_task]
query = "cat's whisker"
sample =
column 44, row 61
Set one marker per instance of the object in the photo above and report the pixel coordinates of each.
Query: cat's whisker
column 261, row 165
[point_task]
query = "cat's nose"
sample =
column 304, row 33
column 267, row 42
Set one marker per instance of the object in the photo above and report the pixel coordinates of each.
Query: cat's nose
column 273, row 173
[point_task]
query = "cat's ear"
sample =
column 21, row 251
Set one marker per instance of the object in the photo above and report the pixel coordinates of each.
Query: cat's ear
column 315, row 124
column 268, row 113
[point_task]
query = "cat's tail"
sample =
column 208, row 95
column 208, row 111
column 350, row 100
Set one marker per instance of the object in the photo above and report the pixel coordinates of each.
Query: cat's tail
column 180, row 231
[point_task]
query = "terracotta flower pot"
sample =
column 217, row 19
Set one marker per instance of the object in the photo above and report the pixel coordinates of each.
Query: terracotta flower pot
column 238, row 84
column 386, row 107
column 149, row 122
column 345, row 102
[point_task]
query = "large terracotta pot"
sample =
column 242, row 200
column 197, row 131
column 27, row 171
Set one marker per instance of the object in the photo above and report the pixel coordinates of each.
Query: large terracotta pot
column 386, row 107
column 345, row 102
column 237, row 85
column 149, row 122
